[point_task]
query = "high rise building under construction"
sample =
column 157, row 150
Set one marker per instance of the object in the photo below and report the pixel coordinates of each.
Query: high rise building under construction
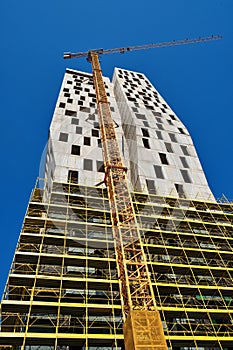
column 63, row 286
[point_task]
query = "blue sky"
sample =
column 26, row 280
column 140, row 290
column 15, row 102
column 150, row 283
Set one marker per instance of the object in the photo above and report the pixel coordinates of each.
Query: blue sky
column 196, row 80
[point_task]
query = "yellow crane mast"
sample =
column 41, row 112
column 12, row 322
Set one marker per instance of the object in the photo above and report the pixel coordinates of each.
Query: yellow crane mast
column 142, row 324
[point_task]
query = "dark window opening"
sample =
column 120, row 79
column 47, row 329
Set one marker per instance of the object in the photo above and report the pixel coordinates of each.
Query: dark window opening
column 140, row 116
column 146, row 143
column 151, row 186
column 172, row 116
column 184, row 162
column 75, row 121
column 69, row 82
column 66, row 90
column 163, row 158
column 145, row 132
column 91, row 117
column 180, row 190
column 181, row 130
column 73, row 176
column 186, row 176
column 168, row 147
column 172, row 137
column 132, row 99
column 112, row 109
column 96, row 125
column 158, row 172
column 146, row 123
column 159, row 126
column 62, row 105
column 87, row 164
column 95, row 132
column 75, row 150
column 184, row 150
column 100, row 166
column 159, row 135
column 79, row 130
column 80, row 103
column 69, row 100
column 85, row 109
column 87, row 141
column 63, row 137
column 99, row 143
column 67, row 95
column 70, row 113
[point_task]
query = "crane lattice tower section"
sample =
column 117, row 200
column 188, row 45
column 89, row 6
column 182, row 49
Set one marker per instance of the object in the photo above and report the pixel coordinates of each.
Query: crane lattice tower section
column 63, row 286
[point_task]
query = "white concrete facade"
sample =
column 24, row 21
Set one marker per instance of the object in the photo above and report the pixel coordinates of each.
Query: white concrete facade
column 155, row 145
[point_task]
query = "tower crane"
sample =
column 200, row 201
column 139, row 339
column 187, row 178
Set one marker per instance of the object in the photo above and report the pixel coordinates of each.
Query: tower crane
column 142, row 323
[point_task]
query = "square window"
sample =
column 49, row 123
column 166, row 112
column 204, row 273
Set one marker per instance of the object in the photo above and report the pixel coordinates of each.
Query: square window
column 100, row 166
column 69, row 82
column 82, row 98
column 66, row 90
column 80, row 103
column 99, row 143
column 87, row 141
column 67, row 95
column 75, row 149
column 112, row 109
column 91, row 117
column 73, row 176
column 79, row 130
column 69, row 100
column 186, row 176
column 74, row 121
column 146, row 143
column 158, row 172
column 151, row 186
column 163, row 158
column 63, row 137
column 95, row 132
column 96, row 125
column 62, row 105
column 87, row 164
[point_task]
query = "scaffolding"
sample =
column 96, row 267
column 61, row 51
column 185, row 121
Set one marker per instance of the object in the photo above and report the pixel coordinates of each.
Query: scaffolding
column 63, row 286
